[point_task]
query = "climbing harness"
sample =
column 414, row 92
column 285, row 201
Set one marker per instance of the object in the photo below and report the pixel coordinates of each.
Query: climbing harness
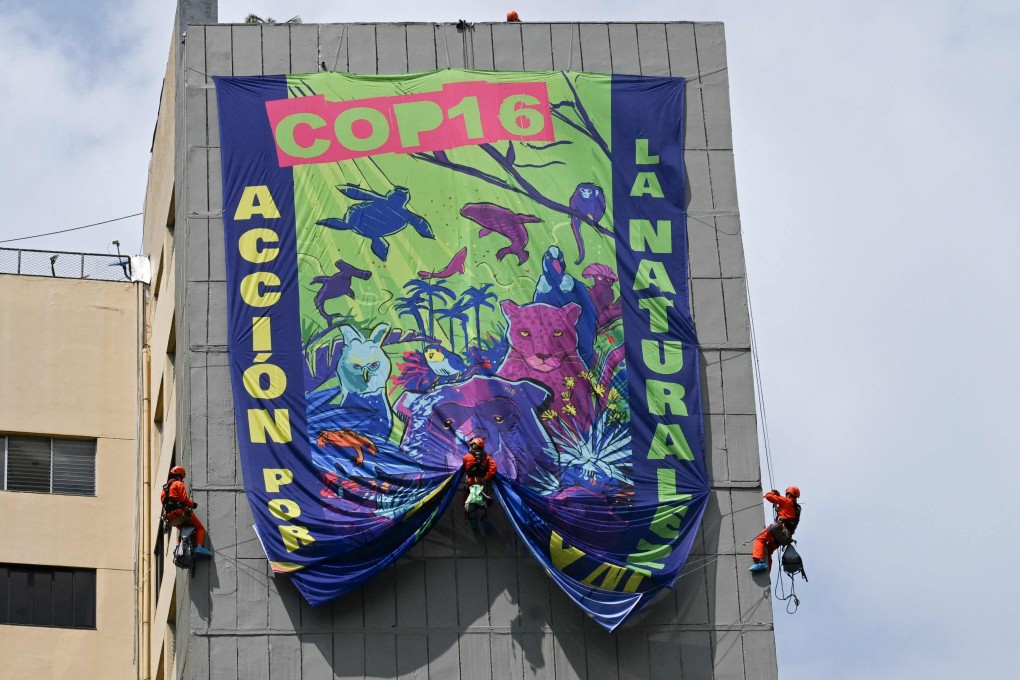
column 780, row 534
column 184, row 551
column 782, row 529
column 172, row 505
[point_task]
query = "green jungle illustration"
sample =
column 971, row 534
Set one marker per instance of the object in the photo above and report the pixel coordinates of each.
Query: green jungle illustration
column 465, row 293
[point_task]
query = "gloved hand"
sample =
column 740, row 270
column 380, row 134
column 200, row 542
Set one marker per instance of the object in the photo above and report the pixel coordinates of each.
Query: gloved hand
column 194, row 505
column 774, row 492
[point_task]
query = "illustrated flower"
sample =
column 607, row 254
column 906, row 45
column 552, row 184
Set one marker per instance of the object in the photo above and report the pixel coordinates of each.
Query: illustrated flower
column 587, row 375
column 548, row 414
column 614, row 394
column 565, row 394
column 598, row 389
column 568, row 382
column 570, row 410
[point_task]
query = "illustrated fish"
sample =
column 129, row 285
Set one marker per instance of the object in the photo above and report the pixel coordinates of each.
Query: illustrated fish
column 495, row 219
column 456, row 266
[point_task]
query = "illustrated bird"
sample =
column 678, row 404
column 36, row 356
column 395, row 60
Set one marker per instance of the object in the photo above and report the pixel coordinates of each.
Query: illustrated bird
column 443, row 362
column 558, row 288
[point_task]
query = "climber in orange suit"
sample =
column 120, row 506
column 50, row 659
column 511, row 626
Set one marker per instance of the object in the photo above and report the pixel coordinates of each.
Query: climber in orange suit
column 178, row 506
column 788, row 516
column 480, row 469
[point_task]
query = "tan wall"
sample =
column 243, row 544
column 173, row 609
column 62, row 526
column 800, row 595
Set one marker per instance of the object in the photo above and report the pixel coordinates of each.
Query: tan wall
column 68, row 367
column 158, row 244
column 160, row 188
column 105, row 653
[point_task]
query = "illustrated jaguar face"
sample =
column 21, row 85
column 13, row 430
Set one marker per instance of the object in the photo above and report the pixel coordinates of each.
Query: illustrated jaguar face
column 502, row 412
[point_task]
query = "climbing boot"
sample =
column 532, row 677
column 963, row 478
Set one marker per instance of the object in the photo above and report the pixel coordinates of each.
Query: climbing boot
column 759, row 566
column 202, row 552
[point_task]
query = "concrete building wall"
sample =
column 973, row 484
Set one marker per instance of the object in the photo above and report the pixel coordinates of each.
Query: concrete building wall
column 456, row 607
column 68, row 368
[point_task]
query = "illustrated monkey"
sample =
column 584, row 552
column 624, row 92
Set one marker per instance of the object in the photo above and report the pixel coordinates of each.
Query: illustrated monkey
column 588, row 201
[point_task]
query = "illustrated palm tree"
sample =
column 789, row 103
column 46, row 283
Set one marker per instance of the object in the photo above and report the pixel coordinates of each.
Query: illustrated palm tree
column 456, row 312
column 430, row 291
column 476, row 298
column 413, row 305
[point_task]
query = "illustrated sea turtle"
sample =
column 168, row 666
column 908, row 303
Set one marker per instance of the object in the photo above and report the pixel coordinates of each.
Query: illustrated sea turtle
column 378, row 216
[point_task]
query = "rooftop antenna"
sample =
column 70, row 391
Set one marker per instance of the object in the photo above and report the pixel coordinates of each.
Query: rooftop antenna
column 123, row 262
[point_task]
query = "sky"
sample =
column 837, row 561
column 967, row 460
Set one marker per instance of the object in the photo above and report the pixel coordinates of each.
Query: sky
column 877, row 154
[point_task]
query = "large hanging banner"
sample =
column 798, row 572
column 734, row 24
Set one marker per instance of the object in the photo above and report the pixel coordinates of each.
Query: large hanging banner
column 416, row 260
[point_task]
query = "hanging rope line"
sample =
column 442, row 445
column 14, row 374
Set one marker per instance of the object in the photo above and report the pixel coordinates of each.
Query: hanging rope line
column 760, row 393
column 343, row 34
column 64, row 231
column 780, row 592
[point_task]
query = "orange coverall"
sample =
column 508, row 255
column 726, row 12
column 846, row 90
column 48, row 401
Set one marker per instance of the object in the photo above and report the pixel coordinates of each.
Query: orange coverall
column 179, row 517
column 479, row 472
column 764, row 544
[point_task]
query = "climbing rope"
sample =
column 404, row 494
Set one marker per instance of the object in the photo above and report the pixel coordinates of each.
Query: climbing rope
column 759, row 391
column 780, row 592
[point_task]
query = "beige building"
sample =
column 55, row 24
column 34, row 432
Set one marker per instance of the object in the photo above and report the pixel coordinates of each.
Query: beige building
column 68, row 466
column 158, row 578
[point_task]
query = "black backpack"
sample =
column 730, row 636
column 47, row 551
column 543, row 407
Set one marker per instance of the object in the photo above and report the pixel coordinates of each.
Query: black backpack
column 792, row 562
column 183, row 557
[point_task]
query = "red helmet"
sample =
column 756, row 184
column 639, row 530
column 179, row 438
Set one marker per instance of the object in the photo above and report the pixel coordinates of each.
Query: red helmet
column 512, row 16
column 477, row 442
column 793, row 492
column 179, row 471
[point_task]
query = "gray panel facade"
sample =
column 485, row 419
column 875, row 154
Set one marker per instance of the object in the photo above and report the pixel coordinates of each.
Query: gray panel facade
column 457, row 607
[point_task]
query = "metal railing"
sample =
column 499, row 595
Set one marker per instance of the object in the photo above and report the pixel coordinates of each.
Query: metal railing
column 64, row 265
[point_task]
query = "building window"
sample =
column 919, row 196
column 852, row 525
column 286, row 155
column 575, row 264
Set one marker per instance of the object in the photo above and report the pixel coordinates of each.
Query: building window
column 47, row 596
column 47, row 465
column 159, row 563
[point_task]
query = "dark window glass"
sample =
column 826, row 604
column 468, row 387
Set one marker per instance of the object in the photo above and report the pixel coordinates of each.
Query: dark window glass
column 41, row 584
column 28, row 464
column 63, row 587
column 74, row 466
column 45, row 465
column 5, row 600
column 159, row 563
column 84, row 599
column 47, row 596
column 17, row 587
